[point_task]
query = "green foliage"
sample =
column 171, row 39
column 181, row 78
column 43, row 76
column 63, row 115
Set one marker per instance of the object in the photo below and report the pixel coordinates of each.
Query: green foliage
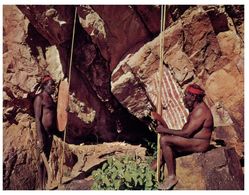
column 127, row 173
column 151, row 148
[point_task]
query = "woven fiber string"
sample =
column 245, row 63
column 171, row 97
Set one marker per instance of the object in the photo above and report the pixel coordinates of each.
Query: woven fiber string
column 69, row 81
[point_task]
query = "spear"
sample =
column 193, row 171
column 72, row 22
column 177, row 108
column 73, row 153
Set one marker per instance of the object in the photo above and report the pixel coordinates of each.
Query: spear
column 159, row 100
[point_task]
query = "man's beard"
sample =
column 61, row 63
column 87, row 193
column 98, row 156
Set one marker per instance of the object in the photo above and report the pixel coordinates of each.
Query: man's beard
column 189, row 105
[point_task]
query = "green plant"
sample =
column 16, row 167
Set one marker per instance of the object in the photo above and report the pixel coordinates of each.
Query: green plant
column 151, row 148
column 127, row 173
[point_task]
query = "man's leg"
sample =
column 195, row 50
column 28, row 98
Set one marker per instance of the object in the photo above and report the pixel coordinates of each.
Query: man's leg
column 169, row 144
column 169, row 158
column 154, row 162
column 41, row 175
column 47, row 172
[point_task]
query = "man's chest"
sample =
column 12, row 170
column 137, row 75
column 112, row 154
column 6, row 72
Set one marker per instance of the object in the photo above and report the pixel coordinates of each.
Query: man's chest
column 48, row 103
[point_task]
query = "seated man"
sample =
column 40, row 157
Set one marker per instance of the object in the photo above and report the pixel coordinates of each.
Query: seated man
column 194, row 136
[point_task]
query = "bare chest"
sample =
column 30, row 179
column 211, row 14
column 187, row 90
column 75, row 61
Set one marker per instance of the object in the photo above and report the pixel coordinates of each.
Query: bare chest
column 48, row 104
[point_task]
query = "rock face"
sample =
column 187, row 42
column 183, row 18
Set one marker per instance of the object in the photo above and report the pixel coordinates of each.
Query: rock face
column 225, row 173
column 217, row 169
column 198, row 48
column 58, row 19
column 141, row 70
column 122, row 33
column 90, row 83
column 19, row 154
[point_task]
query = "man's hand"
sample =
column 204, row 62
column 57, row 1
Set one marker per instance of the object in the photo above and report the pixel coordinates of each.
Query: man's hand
column 159, row 118
column 160, row 129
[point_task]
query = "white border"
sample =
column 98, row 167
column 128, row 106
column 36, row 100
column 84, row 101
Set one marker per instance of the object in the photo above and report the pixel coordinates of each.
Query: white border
column 126, row 2
column 119, row 2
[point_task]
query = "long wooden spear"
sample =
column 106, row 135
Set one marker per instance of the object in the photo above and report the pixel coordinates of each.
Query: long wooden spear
column 159, row 100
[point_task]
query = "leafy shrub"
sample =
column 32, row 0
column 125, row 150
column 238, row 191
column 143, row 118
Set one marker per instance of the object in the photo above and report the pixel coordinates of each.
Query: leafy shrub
column 151, row 148
column 125, row 173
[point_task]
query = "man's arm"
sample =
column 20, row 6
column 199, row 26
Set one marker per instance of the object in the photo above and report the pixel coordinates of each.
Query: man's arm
column 159, row 118
column 38, row 119
column 194, row 123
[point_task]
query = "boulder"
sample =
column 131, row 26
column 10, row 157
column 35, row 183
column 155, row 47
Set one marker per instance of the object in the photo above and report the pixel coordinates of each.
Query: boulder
column 81, row 160
column 217, row 169
column 200, row 43
column 222, row 170
column 20, row 156
column 225, row 93
column 230, row 44
column 228, row 136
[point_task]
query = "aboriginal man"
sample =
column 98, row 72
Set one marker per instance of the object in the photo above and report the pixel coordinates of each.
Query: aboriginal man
column 193, row 137
column 45, row 118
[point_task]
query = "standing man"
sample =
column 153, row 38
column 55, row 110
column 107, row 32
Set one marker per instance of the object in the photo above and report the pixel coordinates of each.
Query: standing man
column 45, row 118
column 194, row 136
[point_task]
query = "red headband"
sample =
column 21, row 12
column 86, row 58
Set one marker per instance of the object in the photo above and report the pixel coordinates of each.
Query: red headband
column 195, row 91
column 46, row 78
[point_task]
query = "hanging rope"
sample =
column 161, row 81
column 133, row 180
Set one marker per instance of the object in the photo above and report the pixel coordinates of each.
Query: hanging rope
column 72, row 46
column 69, row 81
column 159, row 100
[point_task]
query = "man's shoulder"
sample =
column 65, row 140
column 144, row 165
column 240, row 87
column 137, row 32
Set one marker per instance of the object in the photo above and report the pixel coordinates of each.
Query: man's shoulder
column 201, row 109
column 38, row 97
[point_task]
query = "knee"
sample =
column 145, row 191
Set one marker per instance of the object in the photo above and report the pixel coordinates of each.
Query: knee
column 164, row 140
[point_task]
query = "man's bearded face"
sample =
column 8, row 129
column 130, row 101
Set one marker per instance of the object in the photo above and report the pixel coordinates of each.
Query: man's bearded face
column 50, row 87
column 189, row 101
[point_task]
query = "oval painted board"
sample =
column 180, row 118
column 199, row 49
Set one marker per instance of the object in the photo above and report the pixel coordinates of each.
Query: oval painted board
column 62, row 105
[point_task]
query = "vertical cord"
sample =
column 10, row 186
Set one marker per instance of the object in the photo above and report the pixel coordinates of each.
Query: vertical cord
column 72, row 46
column 159, row 100
column 69, row 81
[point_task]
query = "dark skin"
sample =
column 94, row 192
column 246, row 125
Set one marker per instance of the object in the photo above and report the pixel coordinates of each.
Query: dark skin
column 193, row 137
column 45, row 117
